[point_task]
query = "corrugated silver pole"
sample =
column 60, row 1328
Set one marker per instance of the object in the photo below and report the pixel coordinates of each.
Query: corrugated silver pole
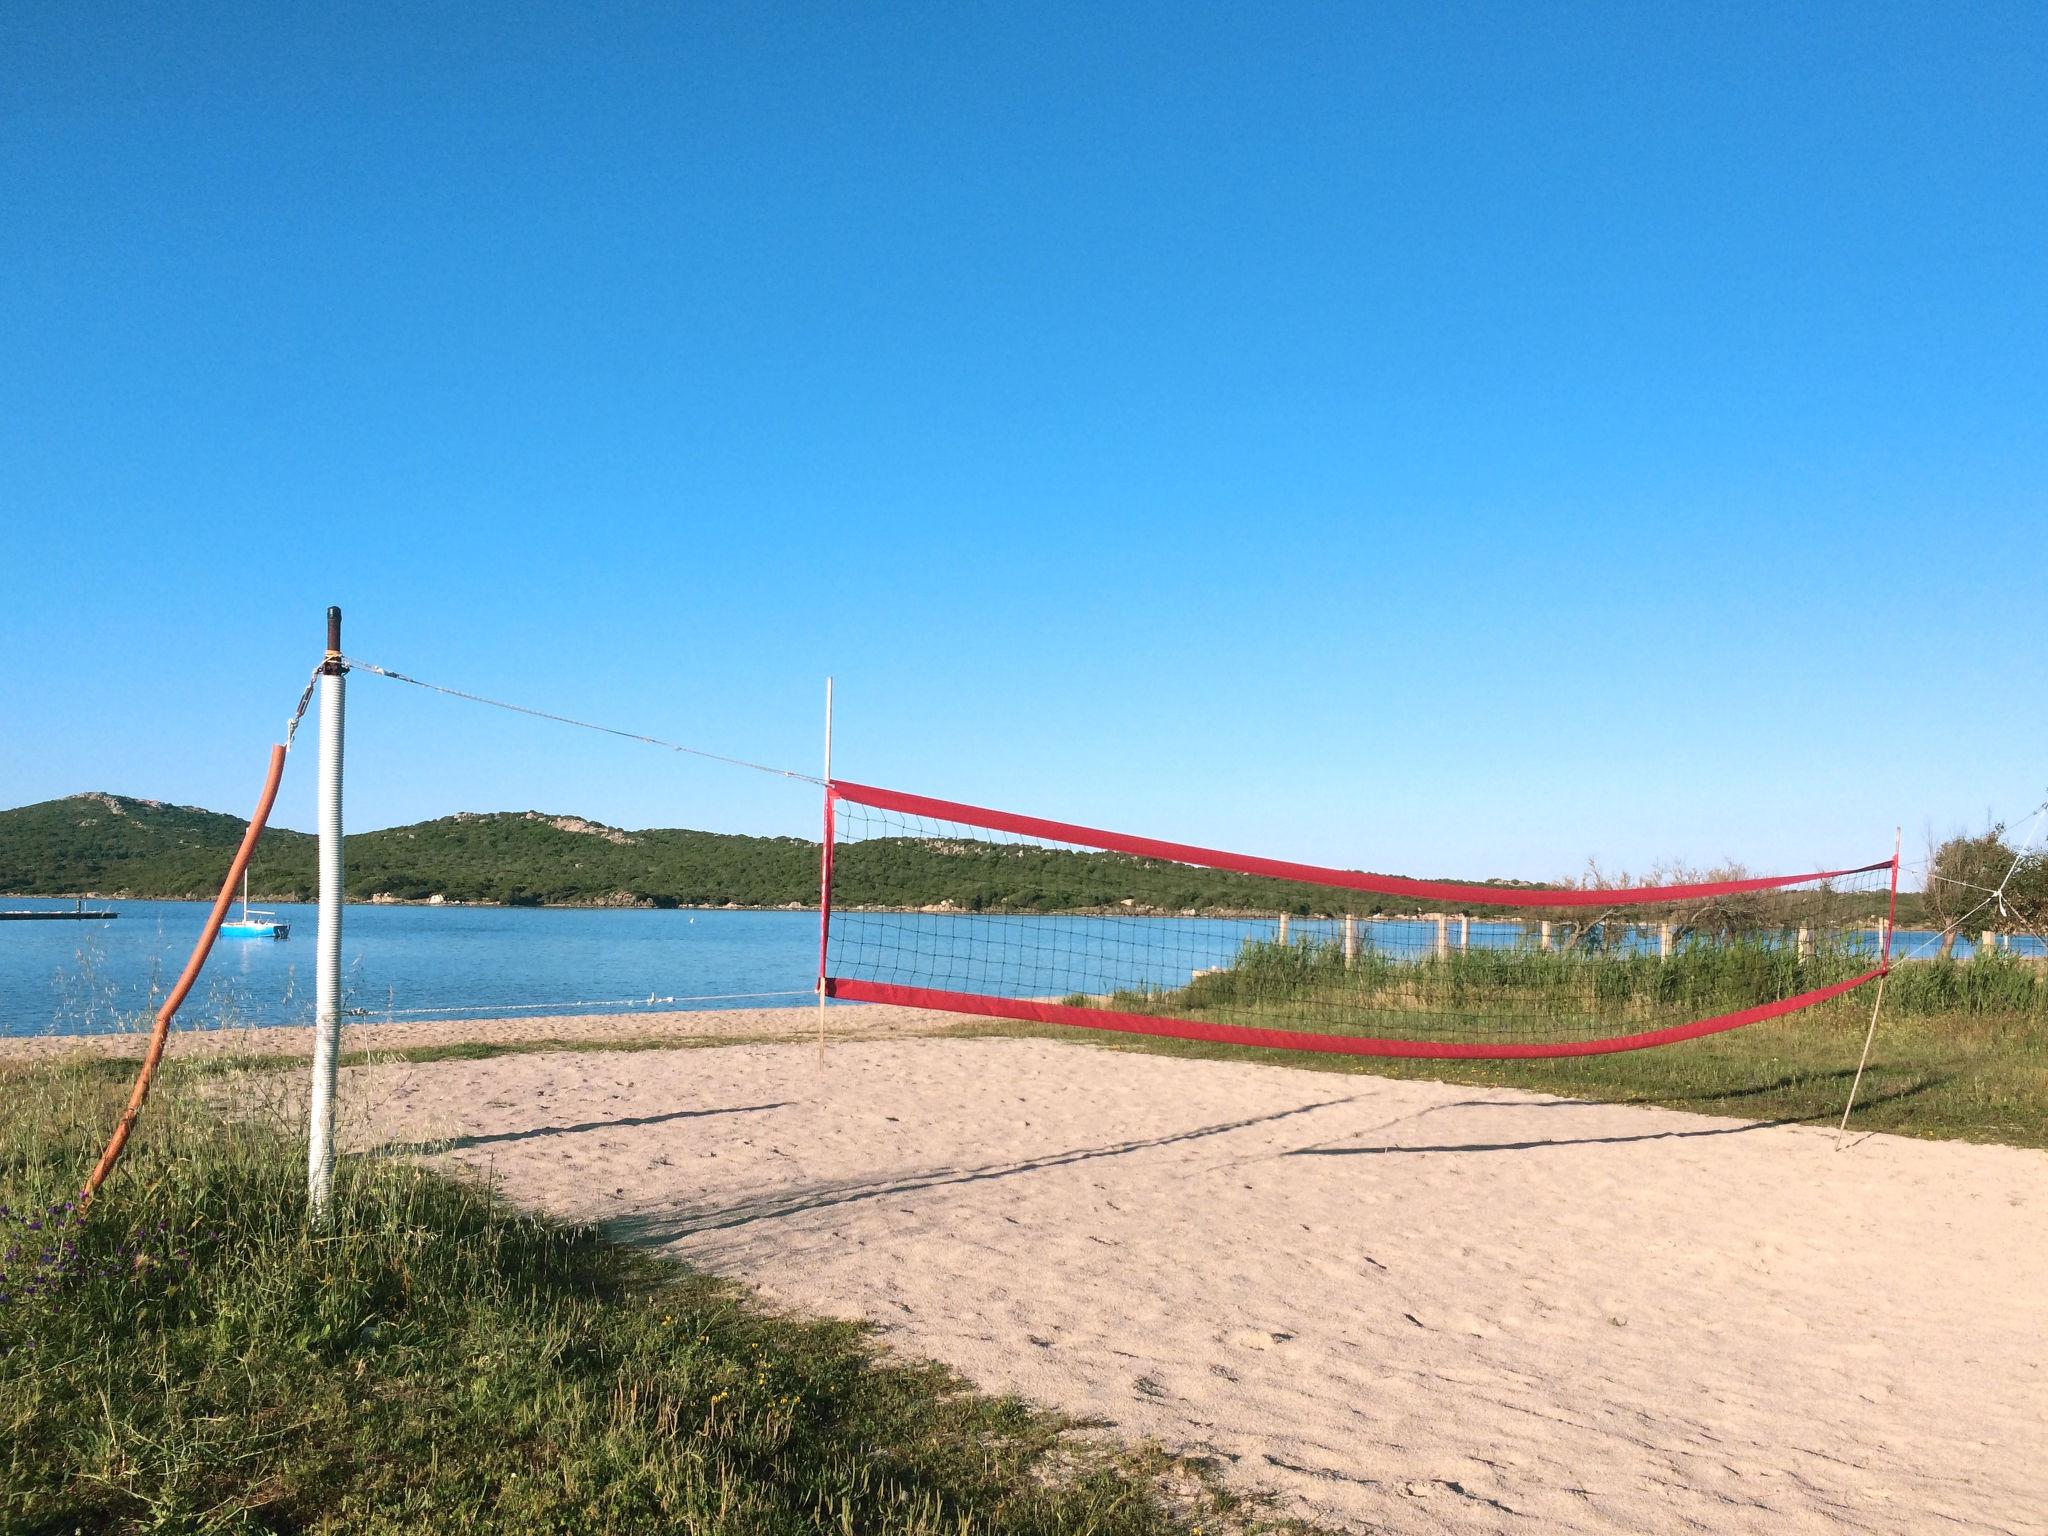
column 825, row 893
column 327, row 948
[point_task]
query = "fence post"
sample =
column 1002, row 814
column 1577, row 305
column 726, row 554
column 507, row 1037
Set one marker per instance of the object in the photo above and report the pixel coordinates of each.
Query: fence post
column 1350, row 939
column 1986, row 945
column 1443, row 935
column 1464, row 930
column 1283, row 930
column 1663, row 941
column 327, row 943
column 1805, row 942
column 1543, row 929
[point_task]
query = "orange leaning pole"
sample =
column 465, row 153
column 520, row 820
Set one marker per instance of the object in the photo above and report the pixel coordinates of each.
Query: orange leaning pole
column 161, row 1033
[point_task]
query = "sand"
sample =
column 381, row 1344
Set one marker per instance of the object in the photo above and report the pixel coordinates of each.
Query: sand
column 686, row 1026
column 1400, row 1306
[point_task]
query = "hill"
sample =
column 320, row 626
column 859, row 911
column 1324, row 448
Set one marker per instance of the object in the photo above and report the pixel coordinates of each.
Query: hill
column 111, row 845
column 115, row 845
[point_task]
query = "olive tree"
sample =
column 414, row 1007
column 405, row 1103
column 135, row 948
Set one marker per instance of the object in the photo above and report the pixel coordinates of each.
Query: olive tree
column 1982, row 882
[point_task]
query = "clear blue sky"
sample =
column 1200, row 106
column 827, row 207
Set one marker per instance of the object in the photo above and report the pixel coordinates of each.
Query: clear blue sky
column 1434, row 438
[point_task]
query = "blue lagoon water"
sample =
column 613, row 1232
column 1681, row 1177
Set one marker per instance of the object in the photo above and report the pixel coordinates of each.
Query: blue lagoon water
column 418, row 961
column 85, row 977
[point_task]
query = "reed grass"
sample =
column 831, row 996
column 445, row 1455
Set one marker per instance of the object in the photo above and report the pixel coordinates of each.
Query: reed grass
column 1314, row 981
column 1961, row 1049
column 197, row 1358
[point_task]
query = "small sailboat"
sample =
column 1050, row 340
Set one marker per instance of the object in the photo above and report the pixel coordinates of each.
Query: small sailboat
column 254, row 923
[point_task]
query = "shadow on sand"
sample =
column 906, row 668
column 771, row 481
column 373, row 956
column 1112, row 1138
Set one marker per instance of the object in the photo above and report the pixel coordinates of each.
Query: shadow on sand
column 668, row 1226
column 1867, row 1102
column 461, row 1143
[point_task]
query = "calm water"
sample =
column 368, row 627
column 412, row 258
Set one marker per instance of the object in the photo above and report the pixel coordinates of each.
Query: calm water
column 423, row 961
column 84, row 977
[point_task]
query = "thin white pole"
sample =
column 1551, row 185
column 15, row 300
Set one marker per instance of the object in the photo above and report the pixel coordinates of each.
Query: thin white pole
column 1863, row 1061
column 825, row 894
column 327, row 946
column 1870, row 1035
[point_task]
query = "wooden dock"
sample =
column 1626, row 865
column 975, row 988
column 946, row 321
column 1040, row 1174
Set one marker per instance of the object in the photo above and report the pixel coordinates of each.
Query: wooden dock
column 81, row 914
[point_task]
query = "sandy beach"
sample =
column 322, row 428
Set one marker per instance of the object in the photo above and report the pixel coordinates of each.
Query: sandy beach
column 684, row 1027
column 1400, row 1306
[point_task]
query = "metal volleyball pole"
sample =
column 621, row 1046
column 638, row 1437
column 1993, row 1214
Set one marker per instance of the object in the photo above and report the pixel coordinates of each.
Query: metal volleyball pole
column 825, row 876
column 327, row 945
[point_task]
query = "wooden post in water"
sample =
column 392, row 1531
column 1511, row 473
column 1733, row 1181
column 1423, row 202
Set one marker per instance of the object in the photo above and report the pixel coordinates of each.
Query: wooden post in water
column 1464, row 930
column 1283, row 930
column 1663, row 941
column 327, row 941
column 1443, row 935
column 1350, row 939
column 1543, row 929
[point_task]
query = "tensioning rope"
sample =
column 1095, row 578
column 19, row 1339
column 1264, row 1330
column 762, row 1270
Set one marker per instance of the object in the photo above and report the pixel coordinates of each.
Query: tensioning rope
column 159, row 1035
column 609, row 730
column 160, row 1031
column 1991, row 894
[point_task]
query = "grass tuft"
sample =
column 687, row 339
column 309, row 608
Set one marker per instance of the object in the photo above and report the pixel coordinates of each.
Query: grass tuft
column 196, row 1359
column 1943, row 1077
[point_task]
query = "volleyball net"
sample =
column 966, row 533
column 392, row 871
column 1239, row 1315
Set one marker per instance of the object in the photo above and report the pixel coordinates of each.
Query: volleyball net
column 934, row 904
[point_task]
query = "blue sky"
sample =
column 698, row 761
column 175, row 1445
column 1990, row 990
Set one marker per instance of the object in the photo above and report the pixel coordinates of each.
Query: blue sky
column 1433, row 438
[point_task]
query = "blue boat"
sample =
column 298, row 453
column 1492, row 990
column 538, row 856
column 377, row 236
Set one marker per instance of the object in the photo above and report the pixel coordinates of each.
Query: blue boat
column 254, row 923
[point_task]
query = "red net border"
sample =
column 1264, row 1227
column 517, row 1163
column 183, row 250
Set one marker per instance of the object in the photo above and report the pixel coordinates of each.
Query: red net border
column 1028, row 1010
column 1316, row 874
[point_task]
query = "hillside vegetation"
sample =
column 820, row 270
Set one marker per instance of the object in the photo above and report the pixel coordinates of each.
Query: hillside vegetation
column 110, row 845
column 116, row 846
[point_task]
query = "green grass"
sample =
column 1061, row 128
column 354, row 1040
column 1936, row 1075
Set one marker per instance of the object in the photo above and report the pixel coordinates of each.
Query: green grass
column 1943, row 1077
column 1961, row 1050
column 1486, row 993
column 197, row 1360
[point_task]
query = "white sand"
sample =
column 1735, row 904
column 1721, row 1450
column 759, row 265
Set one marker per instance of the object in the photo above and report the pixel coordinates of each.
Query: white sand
column 682, row 1026
column 1393, row 1305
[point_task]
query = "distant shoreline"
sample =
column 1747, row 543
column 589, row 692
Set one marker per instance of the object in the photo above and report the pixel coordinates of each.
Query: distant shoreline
column 1211, row 914
column 1223, row 914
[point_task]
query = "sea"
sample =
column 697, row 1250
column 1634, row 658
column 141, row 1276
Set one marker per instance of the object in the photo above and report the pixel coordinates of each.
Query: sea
column 418, row 962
